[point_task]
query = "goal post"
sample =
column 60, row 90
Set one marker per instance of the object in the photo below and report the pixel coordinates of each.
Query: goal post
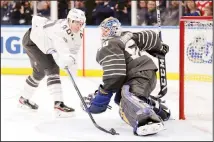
column 195, row 54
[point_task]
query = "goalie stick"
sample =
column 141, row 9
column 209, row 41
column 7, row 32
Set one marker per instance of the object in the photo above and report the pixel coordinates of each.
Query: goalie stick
column 161, row 60
column 111, row 131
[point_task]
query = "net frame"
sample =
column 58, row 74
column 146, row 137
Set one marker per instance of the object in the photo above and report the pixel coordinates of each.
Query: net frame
column 183, row 19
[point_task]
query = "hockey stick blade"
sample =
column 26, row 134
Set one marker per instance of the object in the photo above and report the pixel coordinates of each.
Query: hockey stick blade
column 111, row 131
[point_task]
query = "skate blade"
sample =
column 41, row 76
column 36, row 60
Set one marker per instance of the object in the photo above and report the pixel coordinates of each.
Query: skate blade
column 26, row 108
column 62, row 114
column 150, row 129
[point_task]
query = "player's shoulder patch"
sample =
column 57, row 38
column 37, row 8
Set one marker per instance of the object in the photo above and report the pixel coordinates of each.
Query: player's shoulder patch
column 105, row 43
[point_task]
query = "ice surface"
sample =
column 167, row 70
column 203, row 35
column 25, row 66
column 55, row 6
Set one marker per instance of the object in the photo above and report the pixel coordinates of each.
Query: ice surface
column 17, row 124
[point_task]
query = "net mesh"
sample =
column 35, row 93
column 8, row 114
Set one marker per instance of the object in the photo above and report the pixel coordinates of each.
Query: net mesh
column 198, row 48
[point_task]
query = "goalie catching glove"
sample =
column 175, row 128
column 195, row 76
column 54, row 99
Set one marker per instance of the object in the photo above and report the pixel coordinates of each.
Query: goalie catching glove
column 98, row 101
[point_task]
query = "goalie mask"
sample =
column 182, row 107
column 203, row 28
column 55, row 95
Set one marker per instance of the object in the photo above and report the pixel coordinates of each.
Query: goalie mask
column 110, row 27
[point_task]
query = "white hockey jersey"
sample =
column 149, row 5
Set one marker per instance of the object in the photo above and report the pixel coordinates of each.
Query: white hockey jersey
column 55, row 37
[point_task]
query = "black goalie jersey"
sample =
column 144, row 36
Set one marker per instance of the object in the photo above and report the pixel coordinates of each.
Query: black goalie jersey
column 119, row 61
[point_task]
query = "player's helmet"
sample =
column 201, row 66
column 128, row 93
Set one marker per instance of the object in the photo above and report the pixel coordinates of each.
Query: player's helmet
column 113, row 25
column 77, row 15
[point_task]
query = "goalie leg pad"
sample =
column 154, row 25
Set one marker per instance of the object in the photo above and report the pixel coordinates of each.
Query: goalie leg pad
column 138, row 113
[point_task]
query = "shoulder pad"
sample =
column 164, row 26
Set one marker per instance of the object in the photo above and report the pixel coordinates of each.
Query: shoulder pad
column 117, row 42
column 114, row 40
column 108, row 42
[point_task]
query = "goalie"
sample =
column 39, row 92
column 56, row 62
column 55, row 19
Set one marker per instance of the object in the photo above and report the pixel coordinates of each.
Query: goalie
column 130, row 74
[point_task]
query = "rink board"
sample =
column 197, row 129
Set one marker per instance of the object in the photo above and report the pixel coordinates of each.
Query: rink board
column 15, row 61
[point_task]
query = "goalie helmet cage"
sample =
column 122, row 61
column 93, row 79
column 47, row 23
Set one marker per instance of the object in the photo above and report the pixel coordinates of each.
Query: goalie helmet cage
column 188, row 22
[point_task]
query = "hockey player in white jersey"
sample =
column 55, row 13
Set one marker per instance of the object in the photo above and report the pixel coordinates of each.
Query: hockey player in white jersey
column 52, row 45
column 131, row 75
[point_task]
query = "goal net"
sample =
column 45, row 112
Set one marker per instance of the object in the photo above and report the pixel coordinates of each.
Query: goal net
column 195, row 71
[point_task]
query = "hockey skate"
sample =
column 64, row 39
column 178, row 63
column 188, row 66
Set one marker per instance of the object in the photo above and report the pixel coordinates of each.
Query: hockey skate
column 27, row 104
column 61, row 110
column 150, row 129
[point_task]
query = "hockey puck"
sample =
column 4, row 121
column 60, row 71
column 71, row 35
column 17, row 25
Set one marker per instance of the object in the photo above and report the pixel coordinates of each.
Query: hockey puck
column 113, row 132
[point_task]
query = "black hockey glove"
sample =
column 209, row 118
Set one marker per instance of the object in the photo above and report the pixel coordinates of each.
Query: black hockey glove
column 164, row 49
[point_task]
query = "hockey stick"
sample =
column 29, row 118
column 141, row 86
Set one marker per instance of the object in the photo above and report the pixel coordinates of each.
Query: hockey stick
column 161, row 60
column 111, row 131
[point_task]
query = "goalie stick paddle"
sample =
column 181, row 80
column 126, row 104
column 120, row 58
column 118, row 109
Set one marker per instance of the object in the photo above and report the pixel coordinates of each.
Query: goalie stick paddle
column 111, row 131
column 161, row 59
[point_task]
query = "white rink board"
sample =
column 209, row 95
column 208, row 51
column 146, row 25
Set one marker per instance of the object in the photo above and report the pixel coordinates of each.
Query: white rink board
column 12, row 54
column 12, row 51
column 92, row 42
